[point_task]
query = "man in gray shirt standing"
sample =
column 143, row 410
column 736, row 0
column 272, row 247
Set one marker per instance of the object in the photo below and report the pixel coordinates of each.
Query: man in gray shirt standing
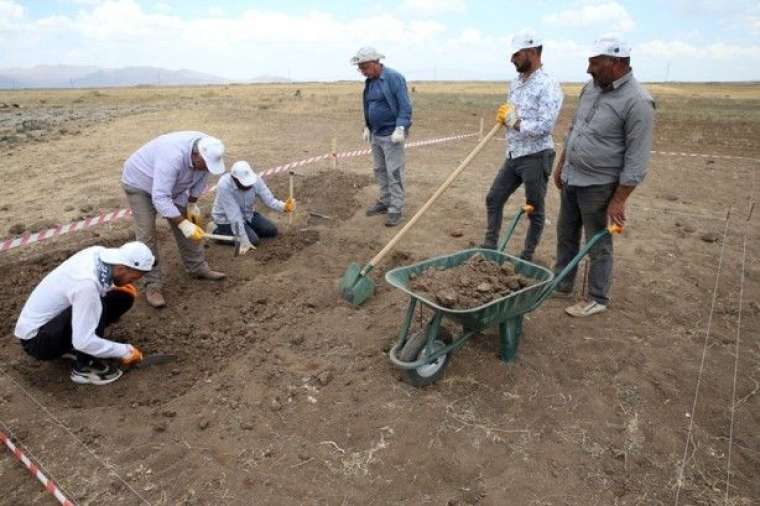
column 605, row 158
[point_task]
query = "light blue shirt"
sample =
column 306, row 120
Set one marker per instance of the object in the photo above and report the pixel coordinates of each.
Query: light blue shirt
column 163, row 168
column 233, row 205
column 537, row 101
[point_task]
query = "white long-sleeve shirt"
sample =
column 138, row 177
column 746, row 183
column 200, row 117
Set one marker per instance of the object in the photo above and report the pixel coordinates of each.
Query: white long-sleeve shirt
column 163, row 167
column 233, row 205
column 79, row 282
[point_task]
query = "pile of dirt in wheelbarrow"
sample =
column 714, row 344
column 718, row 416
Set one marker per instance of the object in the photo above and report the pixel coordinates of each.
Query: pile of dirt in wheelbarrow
column 470, row 284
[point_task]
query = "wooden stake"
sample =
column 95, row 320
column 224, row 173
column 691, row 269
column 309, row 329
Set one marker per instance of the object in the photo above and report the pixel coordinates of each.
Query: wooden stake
column 334, row 152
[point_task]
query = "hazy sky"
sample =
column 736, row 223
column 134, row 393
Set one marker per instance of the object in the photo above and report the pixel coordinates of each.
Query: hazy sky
column 425, row 39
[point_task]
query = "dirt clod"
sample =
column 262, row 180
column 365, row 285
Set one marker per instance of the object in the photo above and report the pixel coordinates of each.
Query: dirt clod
column 473, row 283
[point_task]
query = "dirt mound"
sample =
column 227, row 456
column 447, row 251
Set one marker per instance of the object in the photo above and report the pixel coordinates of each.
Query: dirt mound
column 471, row 284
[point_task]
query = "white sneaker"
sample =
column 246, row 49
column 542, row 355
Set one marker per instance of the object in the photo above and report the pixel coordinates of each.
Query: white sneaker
column 585, row 308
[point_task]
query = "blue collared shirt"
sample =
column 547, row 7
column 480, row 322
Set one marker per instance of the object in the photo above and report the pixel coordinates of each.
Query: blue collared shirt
column 233, row 205
column 393, row 87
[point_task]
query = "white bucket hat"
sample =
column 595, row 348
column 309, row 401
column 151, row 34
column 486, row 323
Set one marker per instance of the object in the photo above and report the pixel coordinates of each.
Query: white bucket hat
column 525, row 40
column 243, row 172
column 135, row 255
column 366, row 54
column 211, row 150
column 610, row 45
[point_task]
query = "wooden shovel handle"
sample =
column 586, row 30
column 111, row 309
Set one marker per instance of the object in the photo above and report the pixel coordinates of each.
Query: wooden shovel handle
column 388, row 247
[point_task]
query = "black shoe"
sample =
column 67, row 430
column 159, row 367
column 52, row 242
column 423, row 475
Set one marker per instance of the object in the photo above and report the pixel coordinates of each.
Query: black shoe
column 487, row 245
column 94, row 372
column 393, row 219
column 377, row 208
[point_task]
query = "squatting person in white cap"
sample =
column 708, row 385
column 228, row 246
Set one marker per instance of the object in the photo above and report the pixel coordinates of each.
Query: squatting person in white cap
column 165, row 177
column 69, row 310
column 234, row 210
column 533, row 103
column 387, row 118
column 605, row 158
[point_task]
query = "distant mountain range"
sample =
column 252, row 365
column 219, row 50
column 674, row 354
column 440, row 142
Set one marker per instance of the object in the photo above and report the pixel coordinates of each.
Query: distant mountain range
column 76, row 76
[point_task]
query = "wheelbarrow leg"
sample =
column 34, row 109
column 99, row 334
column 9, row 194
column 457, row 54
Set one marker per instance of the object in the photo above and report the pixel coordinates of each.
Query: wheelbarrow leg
column 509, row 335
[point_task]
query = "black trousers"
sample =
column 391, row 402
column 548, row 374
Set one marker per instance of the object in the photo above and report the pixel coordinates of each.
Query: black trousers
column 54, row 338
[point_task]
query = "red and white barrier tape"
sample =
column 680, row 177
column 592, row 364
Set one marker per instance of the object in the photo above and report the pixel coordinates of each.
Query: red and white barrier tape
column 50, row 233
column 49, row 484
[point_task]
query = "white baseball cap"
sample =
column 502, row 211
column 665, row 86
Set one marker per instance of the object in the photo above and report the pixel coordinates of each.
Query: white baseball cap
column 135, row 255
column 366, row 54
column 211, row 150
column 525, row 40
column 243, row 172
column 610, row 45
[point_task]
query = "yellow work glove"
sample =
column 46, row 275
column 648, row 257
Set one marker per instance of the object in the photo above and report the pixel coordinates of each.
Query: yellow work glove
column 501, row 114
column 191, row 230
column 194, row 214
column 290, row 205
column 134, row 356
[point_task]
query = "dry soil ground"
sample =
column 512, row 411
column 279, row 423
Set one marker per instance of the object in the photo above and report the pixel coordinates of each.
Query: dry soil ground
column 283, row 392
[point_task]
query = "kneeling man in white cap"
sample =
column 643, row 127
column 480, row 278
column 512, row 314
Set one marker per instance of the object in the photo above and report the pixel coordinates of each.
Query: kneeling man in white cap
column 234, row 206
column 165, row 177
column 68, row 312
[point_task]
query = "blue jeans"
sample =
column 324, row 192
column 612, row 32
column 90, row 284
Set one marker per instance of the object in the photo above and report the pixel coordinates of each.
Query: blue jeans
column 259, row 226
column 585, row 207
column 533, row 171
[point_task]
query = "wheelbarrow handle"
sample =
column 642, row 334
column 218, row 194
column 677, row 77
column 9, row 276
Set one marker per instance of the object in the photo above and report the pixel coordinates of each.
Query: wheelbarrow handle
column 507, row 235
column 611, row 229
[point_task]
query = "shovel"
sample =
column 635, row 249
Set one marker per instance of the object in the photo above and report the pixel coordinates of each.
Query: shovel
column 355, row 286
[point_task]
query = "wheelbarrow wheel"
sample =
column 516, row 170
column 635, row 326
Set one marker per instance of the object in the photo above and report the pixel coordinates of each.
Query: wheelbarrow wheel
column 415, row 349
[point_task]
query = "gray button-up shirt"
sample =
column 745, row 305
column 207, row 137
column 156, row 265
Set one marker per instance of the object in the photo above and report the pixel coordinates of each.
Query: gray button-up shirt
column 611, row 135
column 163, row 168
column 233, row 205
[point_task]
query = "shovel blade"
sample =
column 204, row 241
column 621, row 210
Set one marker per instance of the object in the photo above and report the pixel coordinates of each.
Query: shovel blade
column 355, row 287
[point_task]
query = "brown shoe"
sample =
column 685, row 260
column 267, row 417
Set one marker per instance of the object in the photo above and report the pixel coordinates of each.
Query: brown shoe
column 154, row 297
column 209, row 274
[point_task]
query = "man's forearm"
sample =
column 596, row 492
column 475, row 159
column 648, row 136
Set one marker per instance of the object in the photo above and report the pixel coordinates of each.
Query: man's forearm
column 622, row 192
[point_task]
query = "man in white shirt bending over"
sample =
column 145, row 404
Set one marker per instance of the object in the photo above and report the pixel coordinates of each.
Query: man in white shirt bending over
column 69, row 310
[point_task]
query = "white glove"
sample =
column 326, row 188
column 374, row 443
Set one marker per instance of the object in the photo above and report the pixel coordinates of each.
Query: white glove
column 191, row 230
column 366, row 135
column 398, row 135
column 245, row 246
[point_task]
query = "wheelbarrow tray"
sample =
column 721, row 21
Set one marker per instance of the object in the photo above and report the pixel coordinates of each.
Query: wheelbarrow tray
column 495, row 311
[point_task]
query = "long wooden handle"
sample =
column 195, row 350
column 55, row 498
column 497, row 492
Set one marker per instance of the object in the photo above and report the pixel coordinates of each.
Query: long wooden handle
column 432, row 199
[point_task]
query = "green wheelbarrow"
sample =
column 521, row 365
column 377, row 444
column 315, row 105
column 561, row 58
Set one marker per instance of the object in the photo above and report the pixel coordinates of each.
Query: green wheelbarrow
column 425, row 354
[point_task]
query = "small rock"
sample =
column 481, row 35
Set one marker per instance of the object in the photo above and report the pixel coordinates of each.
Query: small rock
column 168, row 413
column 456, row 233
column 68, row 208
column 247, row 425
column 203, row 424
column 17, row 229
column 86, row 208
column 484, row 287
column 689, row 229
column 275, row 405
column 324, row 378
column 160, row 427
column 710, row 237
